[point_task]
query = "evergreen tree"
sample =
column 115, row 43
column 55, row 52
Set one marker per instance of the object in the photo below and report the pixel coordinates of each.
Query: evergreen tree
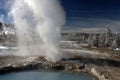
column 89, row 40
column 108, row 35
column 114, row 44
column 102, row 39
column 94, row 41
column 108, row 31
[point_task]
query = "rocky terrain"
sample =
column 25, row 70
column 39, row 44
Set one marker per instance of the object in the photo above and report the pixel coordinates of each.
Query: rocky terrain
column 102, row 68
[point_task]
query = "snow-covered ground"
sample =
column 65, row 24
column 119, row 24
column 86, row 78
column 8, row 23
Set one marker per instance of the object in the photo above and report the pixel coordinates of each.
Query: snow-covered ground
column 81, row 52
column 69, row 44
column 72, row 47
column 5, row 50
column 4, row 47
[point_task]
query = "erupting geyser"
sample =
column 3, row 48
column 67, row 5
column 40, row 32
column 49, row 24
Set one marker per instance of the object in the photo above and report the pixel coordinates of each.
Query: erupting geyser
column 38, row 24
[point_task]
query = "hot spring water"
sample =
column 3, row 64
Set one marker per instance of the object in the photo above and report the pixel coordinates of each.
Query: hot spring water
column 36, row 75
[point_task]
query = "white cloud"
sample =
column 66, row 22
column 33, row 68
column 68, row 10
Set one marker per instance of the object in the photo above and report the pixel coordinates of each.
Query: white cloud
column 93, row 23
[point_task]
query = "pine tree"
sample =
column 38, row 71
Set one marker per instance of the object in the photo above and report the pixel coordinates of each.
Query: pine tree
column 108, row 35
column 89, row 40
column 102, row 39
column 94, row 41
column 114, row 44
column 108, row 31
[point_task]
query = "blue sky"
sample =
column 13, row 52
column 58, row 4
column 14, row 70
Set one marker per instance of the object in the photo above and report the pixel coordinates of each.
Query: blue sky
column 92, row 13
column 85, row 13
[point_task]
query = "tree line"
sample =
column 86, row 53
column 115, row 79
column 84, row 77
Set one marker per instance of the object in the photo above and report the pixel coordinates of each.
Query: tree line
column 106, row 39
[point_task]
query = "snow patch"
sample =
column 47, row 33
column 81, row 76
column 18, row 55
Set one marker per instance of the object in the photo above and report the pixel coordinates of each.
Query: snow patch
column 82, row 52
column 4, row 47
column 117, row 49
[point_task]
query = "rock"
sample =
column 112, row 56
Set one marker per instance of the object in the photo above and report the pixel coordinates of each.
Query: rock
column 58, row 67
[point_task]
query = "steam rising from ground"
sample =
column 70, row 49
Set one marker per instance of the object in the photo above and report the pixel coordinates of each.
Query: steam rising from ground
column 38, row 24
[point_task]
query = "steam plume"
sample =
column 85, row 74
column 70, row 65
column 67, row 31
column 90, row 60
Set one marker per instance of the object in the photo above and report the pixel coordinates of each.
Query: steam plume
column 38, row 24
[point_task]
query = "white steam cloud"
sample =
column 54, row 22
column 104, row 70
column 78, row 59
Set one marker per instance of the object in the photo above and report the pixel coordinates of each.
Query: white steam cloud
column 38, row 24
